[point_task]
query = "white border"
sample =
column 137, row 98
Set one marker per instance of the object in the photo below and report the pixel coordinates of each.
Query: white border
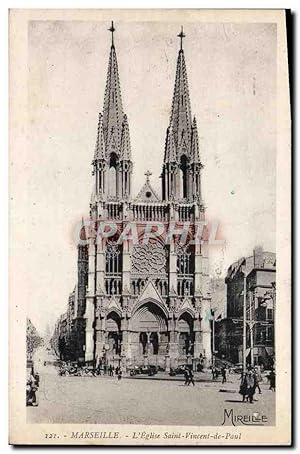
column 4, row 135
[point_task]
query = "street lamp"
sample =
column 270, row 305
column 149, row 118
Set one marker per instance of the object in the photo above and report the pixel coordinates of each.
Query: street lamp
column 213, row 338
column 243, row 264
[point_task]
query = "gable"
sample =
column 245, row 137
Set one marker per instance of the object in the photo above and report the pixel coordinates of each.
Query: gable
column 150, row 292
column 147, row 194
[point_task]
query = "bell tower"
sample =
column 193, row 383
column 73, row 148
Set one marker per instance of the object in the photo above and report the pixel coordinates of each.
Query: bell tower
column 112, row 164
column 181, row 166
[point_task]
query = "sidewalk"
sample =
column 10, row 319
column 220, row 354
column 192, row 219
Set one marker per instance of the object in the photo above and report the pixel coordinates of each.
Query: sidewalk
column 204, row 377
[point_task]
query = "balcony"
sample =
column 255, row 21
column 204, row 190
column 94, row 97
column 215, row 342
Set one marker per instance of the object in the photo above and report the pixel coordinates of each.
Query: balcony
column 113, row 285
column 185, row 212
column 150, row 212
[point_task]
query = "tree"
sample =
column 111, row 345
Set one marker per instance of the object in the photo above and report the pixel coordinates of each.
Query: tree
column 33, row 339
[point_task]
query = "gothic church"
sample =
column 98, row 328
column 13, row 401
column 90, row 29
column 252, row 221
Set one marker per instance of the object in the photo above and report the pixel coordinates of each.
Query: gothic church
column 144, row 304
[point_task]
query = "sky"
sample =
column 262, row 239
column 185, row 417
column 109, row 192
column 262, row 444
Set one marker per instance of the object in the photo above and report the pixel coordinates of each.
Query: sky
column 232, row 81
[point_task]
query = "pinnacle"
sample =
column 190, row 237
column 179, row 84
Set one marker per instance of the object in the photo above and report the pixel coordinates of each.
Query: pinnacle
column 125, row 141
column 195, row 142
column 100, row 146
column 181, row 111
column 170, row 155
column 113, row 108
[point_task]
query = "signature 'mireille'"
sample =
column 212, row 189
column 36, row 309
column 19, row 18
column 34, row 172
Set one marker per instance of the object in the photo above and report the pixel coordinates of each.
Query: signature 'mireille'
column 255, row 419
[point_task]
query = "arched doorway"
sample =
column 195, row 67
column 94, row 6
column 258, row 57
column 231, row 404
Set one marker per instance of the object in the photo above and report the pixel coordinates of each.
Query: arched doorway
column 149, row 334
column 113, row 338
column 185, row 335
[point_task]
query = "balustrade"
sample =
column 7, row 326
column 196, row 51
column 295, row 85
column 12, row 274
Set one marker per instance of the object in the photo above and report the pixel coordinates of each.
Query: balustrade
column 113, row 285
column 149, row 212
column 185, row 285
column 114, row 210
column 138, row 285
column 185, row 212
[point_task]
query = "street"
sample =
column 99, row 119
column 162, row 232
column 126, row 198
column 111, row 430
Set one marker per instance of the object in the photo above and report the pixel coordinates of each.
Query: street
column 104, row 400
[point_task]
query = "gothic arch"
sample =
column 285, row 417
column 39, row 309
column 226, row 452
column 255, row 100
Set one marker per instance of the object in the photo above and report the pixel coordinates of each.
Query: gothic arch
column 149, row 315
column 185, row 327
column 183, row 172
column 186, row 319
column 114, row 311
column 113, row 174
column 113, row 320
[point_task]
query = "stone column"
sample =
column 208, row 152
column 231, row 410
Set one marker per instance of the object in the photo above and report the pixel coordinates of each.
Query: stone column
column 89, row 331
column 173, row 344
column 100, row 337
column 125, row 350
column 90, row 304
column 198, row 263
column 100, row 267
column 172, row 267
column 189, row 183
column 206, row 330
column 126, row 265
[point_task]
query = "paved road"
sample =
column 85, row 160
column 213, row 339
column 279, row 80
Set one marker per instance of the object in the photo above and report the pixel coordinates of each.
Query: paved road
column 97, row 400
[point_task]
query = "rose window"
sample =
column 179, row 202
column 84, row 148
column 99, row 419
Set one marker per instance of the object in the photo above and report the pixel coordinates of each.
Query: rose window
column 149, row 259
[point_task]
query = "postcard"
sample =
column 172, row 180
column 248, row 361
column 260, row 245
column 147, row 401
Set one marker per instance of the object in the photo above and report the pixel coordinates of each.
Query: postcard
column 150, row 227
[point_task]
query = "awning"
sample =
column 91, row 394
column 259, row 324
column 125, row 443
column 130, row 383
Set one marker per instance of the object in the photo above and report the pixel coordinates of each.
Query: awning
column 270, row 351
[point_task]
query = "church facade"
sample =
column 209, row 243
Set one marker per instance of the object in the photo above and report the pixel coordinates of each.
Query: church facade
column 143, row 296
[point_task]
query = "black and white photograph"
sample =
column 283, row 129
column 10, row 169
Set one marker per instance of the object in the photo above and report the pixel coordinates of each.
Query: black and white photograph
column 150, row 239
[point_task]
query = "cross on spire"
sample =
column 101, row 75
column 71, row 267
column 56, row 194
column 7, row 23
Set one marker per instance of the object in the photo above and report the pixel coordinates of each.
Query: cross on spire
column 148, row 175
column 181, row 35
column 112, row 30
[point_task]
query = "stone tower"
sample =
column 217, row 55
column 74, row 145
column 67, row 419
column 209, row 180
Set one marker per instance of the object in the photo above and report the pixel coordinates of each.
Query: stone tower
column 112, row 165
column 146, row 302
column 182, row 166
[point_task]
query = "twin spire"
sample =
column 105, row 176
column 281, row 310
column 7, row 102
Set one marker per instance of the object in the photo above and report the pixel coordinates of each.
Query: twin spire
column 182, row 135
column 113, row 138
column 112, row 125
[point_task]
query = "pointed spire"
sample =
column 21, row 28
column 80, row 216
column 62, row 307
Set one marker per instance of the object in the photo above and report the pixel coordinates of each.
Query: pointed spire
column 195, row 143
column 100, row 145
column 125, row 142
column 181, row 110
column 83, row 233
column 112, row 109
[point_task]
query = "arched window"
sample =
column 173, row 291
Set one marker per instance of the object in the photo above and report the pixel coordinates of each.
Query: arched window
column 113, row 268
column 183, row 177
column 112, row 175
column 185, row 270
column 113, row 258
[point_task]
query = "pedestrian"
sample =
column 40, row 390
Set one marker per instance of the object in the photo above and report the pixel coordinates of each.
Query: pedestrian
column 191, row 377
column 113, row 371
column 258, row 377
column 119, row 373
column 37, row 379
column 186, row 376
column 248, row 386
column 213, row 371
column 243, row 387
column 224, row 375
column 32, row 389
column 272, row 380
